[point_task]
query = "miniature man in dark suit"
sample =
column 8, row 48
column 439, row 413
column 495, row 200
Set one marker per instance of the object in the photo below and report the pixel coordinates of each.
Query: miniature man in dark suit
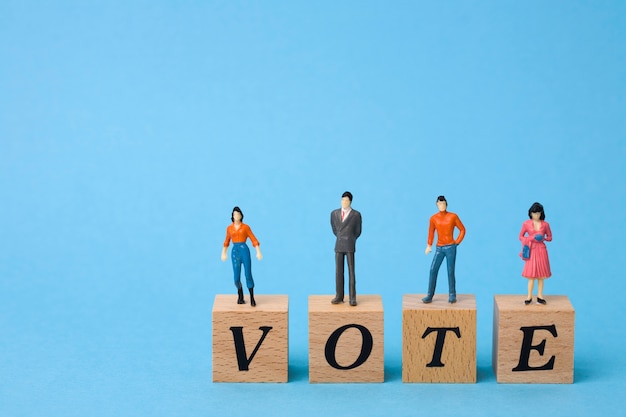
column 346, row 224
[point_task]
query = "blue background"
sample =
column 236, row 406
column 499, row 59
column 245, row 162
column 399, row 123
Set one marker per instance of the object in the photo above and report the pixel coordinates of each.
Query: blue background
column 129, row 130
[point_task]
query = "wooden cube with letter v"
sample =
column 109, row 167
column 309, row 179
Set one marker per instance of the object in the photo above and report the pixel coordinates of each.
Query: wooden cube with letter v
column 346, row 343
column 251, row 344
column 533, row 343
column 439, row 339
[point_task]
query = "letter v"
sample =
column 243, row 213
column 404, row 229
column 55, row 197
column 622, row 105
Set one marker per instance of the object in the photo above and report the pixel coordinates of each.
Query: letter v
column 240, row 348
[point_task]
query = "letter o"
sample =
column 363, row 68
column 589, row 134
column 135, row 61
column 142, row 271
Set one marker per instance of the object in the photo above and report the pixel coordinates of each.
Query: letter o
column 366, row 346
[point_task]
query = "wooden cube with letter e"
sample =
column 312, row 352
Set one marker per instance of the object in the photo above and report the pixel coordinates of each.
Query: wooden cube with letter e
column 346, row 343
column 439, row 339
column 251, row 344
column 533, row 343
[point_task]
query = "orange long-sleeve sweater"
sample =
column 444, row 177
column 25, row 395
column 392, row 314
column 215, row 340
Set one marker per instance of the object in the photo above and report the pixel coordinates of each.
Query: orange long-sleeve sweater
column 445, row 222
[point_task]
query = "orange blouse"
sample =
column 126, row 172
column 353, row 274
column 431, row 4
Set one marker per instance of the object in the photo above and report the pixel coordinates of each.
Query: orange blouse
column 240, row 235
column 444, row 222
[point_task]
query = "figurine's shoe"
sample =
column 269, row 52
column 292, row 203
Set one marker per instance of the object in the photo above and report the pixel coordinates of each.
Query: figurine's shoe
column 452, row 299
column 541, row 301
column 336, row 300
column 427, row 299
column 530, row 300
column 353, row 302
column 240, row 299
column 252, row 301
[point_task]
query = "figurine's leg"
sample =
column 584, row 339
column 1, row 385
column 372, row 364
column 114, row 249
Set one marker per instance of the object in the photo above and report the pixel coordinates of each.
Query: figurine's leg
column 339, row 261
column 247, row 264
column 252, row 301
column 531, row 285
column 236, row 258
column 434, row 270
column 540, row 299
column 352, row 278
column 451, row 262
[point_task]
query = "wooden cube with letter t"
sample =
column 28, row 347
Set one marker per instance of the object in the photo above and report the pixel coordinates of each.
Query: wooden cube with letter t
column 439, row 339
column 346, row 343
column 251, row 344
column 533, row 343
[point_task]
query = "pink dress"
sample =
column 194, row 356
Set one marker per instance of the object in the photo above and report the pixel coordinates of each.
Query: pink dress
column 538, row 266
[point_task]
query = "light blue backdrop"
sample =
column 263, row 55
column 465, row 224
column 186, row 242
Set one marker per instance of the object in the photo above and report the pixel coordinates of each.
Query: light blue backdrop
column 129, row 130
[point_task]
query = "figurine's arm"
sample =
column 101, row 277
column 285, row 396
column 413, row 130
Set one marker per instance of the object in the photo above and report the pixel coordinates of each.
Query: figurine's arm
column 333, row 224
column 461, row 228
column 548, row 233
column 226, row 243
column 358, row 227
column 255, row 243
column 431, row 237
column 522, row 232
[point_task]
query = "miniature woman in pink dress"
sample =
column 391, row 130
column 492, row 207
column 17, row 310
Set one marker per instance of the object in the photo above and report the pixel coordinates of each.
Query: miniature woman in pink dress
column 534, row 233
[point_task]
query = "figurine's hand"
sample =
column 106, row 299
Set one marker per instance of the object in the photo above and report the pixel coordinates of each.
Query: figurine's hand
column 259, row 256
column 538, row 237
column 224, row 257
column 428, row 250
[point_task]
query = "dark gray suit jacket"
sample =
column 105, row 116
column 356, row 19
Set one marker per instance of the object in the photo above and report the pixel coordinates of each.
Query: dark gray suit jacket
column 347, row 231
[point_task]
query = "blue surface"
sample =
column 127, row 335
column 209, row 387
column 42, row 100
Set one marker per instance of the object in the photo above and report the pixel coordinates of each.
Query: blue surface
column 129, row 130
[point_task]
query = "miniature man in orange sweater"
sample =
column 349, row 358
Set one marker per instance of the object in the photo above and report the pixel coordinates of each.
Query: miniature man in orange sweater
column 444, row 223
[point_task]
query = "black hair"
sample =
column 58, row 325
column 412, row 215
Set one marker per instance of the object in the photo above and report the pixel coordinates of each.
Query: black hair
column 347, row 194
column 536, row 208
column 442, row 198
column 238, row 210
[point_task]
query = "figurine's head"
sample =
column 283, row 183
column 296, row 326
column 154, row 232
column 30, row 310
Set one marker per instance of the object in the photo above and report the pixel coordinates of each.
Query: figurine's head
column 237, row 214
column 442, row 203
column 536, row 208
column 346, row 200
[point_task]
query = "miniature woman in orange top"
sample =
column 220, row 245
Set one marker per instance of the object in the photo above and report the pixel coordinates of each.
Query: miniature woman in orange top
column 537, row 265
column 239, row 232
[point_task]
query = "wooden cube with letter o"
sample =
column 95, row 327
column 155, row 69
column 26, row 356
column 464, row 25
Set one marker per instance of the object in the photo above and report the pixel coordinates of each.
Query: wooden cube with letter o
column 346, row 343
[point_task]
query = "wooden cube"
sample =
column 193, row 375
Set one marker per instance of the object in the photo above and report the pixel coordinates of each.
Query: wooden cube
column 251, row 344
column 346, row 343
column 439, row 339
column 533, row 343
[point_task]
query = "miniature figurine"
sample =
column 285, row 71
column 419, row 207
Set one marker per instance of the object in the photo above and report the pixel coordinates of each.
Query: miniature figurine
column 239, row 232
column 346, row 225
column 534, row 252
column 444, row 223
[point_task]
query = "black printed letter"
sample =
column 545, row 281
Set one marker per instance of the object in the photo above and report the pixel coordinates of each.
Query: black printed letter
column 366, row 347
column 527, row 346
column 441, row 337
column 240, row 348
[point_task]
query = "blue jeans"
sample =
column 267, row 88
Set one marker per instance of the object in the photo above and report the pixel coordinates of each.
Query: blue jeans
column 448, row 252
column 241, row 254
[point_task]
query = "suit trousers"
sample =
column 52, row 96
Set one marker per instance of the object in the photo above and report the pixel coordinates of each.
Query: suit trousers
column 339, row 278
